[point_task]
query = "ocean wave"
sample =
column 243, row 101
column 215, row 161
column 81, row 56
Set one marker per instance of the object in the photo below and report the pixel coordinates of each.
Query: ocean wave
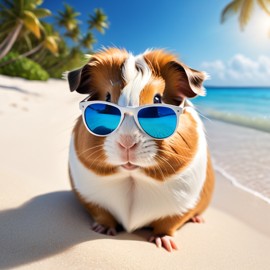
column 258, row 123
column 236, row 183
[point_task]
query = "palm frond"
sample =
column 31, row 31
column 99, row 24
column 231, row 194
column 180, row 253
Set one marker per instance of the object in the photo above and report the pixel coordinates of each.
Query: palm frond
column 74, row 34
column 98, row 21
column 8, row 3
column 50, row 43
column 264, row 6
column 31, row 22
column 7, row 11
column 41, row 12
column 68, row 18
column 32, row 4
column 232, row 8
column 28, row 41
column 245, row 13
column 88, row 40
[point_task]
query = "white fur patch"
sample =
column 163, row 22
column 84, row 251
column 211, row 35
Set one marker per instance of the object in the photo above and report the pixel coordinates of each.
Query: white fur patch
column 134, row 199
column 144, row 153
column 136, row 74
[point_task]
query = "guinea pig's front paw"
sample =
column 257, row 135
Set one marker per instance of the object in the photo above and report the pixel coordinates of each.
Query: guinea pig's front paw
column 98, row 228
column 165, row 241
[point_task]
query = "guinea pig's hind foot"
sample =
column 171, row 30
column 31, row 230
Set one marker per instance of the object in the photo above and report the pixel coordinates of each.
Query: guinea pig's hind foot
column 198, row 219
column 98, row 228
column 165, row 241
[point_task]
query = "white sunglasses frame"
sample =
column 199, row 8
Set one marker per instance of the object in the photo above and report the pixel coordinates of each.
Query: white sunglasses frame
column 131, row 110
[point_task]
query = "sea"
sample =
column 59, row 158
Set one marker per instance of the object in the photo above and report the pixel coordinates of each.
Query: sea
column 240, row 140
column 248, row 107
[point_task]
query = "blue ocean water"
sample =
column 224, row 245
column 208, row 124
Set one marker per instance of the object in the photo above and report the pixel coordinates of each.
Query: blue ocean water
column 242, row 106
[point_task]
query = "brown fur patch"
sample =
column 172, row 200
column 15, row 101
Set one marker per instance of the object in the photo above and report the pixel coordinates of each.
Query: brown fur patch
column 168, row 225
column 181, row 81
column 103, row 74
column 161, row 66
column 176, row 152
column 155, row 86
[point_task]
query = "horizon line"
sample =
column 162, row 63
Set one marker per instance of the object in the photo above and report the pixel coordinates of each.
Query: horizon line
column 216, row 86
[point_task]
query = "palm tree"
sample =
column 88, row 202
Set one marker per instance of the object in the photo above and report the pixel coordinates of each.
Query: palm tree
column 73, row 58
column 22, row 31
column 49, row 42
column 16, row 17
column 98, row 21
column 244, row 8
column 68, row 18
column 88, row 40
column 49, row 60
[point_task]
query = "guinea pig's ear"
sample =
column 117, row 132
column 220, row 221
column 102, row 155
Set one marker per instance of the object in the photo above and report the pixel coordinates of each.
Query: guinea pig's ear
column 189, row 81
column 79, row 80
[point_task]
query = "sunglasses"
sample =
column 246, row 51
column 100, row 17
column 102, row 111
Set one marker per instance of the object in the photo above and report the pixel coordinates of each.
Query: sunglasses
column 102, row 118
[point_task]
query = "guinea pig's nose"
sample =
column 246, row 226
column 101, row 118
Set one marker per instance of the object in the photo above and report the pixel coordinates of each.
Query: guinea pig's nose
column 127, row 142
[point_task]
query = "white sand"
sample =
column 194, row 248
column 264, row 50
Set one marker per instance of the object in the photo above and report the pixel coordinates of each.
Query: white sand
column 42, row 226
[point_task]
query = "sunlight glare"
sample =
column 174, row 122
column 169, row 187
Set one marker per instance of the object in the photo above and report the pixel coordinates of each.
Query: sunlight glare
column 258, row 29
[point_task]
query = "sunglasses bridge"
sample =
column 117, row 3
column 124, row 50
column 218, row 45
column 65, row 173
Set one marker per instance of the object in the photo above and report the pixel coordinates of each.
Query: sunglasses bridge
column 159, row 127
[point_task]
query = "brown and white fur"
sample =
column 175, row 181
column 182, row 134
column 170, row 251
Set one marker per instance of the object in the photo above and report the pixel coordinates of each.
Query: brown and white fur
column 127, row 177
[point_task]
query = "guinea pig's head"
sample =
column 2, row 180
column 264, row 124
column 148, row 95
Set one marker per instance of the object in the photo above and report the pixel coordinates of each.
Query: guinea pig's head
column 116, row 76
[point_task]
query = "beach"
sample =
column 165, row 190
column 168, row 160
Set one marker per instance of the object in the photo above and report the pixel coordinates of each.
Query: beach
column 42, row 226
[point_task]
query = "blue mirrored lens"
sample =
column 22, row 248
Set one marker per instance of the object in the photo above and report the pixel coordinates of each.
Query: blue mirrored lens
column 102, row 119
column 158, row 122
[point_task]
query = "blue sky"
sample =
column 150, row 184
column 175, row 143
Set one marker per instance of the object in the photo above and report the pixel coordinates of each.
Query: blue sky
column 190, row 29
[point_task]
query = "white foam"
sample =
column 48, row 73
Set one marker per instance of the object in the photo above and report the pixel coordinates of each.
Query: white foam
column 236, row 183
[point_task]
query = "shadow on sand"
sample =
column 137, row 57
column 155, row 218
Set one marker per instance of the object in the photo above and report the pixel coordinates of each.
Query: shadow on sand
column 15, row 88
column 44, row 226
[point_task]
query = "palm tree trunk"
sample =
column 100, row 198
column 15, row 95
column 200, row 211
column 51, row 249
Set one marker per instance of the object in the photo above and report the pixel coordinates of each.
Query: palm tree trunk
column 10, row 40
column 34, row 50
column 4, row 42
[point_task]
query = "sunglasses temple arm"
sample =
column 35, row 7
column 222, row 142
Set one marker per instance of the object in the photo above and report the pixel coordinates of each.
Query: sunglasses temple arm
column 81, row 105
column 81, row 102
column 184, row 105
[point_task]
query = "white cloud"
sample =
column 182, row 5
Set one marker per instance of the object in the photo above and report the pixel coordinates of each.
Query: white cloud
column 239, row 71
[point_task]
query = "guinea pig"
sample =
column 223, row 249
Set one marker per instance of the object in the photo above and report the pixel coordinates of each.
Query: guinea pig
column 128, row 164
